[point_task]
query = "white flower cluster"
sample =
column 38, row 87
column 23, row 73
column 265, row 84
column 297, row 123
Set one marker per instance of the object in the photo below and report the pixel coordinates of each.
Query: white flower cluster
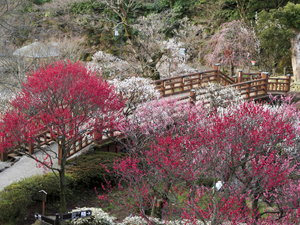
column 4, row 100
column 135, row 90
column 99, row 217
column 173, row 63
column 218, row 95
column 138, row 220
column 106, row 63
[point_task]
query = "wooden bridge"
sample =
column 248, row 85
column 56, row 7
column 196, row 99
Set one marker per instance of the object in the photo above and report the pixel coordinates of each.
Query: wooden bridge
column 251, row 85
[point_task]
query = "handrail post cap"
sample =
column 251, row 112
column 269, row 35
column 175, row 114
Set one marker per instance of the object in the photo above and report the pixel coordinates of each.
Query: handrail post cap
column 288, row 75
column 217, row 64
column 164, row 79
column 193, row 90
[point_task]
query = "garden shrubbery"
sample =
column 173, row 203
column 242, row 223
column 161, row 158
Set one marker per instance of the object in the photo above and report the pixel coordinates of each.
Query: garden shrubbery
column 85, row 172
column 88, row 171
column 17, row 197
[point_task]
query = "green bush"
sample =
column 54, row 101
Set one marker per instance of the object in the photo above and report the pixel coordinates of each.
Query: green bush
column 88, row 171
column 86, row 7
column 40, row 2
column 17, row 197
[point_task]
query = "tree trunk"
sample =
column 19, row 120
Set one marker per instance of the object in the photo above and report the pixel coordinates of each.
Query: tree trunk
column 62, row 179
column 295, row 49
column 255, row 209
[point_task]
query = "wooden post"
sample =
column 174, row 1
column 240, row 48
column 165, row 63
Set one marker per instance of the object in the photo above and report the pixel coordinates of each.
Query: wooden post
column 248, row 89
column 97, row 137
column 86, row 141
column 80, row 143
column 240, row 76
column 193, row 96
column 265, row 75
column 200, row 78
column 45, row 138
column 217, row 72
column 31, row 149
column 43, row 206
column 57, row 220
column 162, row 89
column 182, row 83
column 74, row 148
column 3, row 155
column 38, row 141
column 288, row 83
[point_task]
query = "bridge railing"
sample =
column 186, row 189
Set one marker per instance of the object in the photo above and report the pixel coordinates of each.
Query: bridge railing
column 279, row 84
column 251, row 84
column 248, row 89
column 243, row 77
column 184, row 83
column 43, row 137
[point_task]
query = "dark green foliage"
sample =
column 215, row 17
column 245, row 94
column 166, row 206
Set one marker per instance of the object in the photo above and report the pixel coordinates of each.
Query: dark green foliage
column 206, row 181
column 86, row 7
column 87, row 169
column 40, row 2
column 274, row 39
column 275, row 29
column 17, row 197
column 246, row 9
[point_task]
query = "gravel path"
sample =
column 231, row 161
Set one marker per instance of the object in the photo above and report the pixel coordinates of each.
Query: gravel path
column 26, row 167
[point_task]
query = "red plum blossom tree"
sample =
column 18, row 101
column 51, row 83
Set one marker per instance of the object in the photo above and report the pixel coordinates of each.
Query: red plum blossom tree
column 69, row 102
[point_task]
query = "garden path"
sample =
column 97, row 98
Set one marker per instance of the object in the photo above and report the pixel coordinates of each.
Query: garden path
column 26, row 167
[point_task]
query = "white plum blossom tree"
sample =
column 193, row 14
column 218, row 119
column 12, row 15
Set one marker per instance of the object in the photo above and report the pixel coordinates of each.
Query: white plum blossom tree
column 218, row 96
column 173, row 63
column 136, row 90
column 103, row 63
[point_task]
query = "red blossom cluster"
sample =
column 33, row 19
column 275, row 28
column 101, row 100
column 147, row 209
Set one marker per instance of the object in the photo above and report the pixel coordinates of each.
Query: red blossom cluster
column 175, row 148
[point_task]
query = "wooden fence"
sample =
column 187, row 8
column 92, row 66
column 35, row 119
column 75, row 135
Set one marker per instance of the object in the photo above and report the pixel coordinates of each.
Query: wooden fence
column 184, row 83
column 251, row 85
column 43, row 137
column 83, row 141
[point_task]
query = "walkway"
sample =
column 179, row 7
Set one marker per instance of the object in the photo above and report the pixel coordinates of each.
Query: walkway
column 26, row 167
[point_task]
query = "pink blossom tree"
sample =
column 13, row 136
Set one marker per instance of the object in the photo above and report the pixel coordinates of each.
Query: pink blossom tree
column 234, row 44
column 246, row 147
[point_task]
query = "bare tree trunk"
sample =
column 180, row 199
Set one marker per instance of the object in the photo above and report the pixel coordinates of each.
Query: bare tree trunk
column 62, row 180
column 295, row 49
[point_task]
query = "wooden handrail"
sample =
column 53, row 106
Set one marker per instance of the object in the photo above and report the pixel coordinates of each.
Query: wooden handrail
column 186, row 75
column 244, row 83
